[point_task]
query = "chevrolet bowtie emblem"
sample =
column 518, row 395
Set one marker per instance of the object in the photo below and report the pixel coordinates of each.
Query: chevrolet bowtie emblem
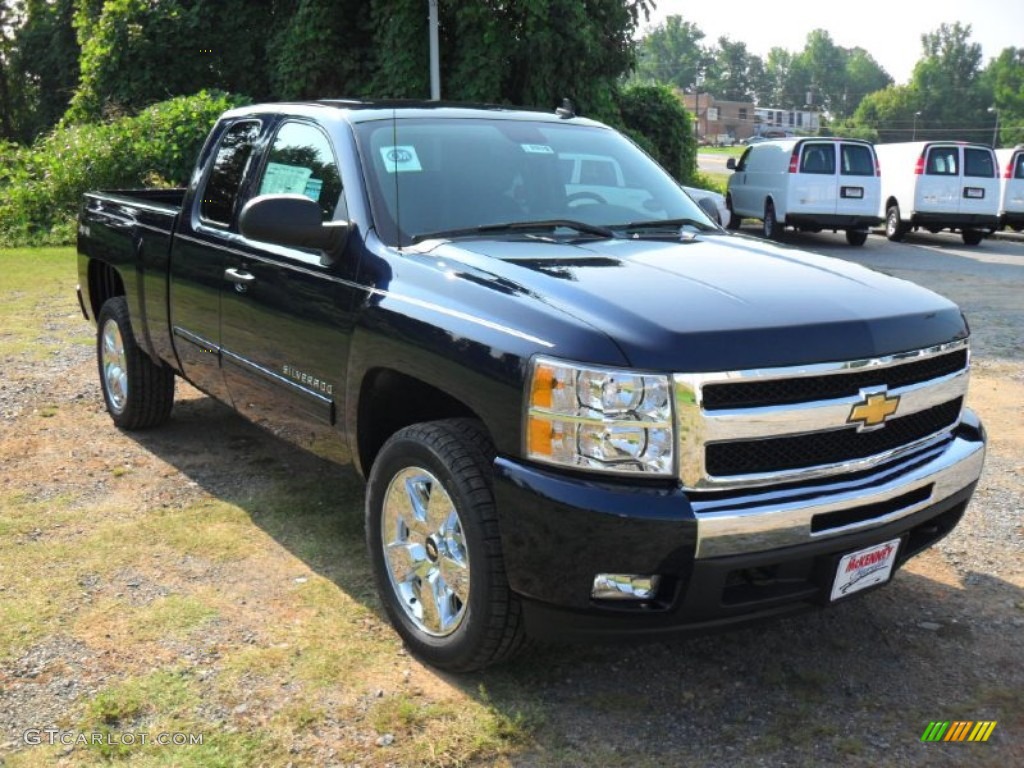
column 873, row 410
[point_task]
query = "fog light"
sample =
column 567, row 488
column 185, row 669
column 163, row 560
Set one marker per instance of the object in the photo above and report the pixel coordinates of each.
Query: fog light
column 624, row 586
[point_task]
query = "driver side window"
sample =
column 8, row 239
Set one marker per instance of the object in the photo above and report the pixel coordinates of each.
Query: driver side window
column 301, row 162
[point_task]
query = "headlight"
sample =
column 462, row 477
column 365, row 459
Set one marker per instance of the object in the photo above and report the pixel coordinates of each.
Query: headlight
column 599, row 419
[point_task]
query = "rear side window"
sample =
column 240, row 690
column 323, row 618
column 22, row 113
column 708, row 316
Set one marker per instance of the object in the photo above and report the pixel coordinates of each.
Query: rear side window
column 856, row 160
column 233, row 155
column 818, row 158
column 942, row 161
column 1018, row 166
column 979, row 163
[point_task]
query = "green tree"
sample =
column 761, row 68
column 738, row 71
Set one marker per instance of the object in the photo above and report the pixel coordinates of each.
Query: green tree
column 654, row 116
column 46, row 63
column 733, row 72
column 1004, row 76
column 954, row 97
column 136, row 52
column 8, row 99
column 672, row 53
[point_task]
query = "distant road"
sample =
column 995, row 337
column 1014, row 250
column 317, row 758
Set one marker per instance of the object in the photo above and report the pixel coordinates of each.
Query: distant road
column 711, row 162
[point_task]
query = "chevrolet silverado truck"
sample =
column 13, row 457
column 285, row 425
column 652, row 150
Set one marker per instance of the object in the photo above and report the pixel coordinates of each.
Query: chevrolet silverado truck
column 581, row 413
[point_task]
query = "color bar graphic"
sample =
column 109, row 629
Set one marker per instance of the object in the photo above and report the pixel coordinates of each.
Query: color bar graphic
column 958, row 730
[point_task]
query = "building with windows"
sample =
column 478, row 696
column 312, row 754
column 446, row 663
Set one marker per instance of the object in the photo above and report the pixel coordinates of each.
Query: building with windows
column 772, row 122
column 720, row 122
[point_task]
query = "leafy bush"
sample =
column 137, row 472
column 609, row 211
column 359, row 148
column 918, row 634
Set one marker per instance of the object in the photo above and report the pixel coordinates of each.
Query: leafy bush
column 41, row 186
column 655, row 113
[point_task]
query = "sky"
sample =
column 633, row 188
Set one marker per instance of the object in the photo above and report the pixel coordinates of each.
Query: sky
column 890, row 30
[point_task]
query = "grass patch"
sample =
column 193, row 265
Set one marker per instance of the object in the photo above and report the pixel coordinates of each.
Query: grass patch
column 734, row 151
column 38, row 284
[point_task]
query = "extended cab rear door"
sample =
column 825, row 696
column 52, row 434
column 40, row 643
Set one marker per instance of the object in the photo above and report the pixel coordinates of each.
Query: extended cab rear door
column 199, row 252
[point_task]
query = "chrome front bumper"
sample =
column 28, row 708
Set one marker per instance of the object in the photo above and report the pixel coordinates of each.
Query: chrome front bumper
column 756, row 522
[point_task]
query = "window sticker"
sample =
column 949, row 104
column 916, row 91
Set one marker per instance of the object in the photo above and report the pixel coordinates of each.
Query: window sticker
column 537, row 149
column 312, row 190
column 281, row 179
column 400, row 159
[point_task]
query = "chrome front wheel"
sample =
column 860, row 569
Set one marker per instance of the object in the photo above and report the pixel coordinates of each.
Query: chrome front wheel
column 426, row 553
column 434, row 544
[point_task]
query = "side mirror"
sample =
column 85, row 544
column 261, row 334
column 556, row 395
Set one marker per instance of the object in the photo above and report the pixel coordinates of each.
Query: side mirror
column 731, row 163
column 292, row 220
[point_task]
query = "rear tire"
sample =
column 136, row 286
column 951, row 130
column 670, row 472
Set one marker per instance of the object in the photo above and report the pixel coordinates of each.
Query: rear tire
column 856, row 236
column 894, row 227
column 972, row 236
column 432, row 533
column 770, row 225
column 139, row 393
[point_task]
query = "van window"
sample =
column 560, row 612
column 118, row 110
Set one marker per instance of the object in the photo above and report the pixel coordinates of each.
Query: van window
column 1018, row 162
column 818, row 158
column 856, row 160
column 978, row 162
column 942, row 161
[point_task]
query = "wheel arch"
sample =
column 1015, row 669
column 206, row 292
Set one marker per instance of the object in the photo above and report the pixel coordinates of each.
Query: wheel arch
column 388, row 400
column 104, row 283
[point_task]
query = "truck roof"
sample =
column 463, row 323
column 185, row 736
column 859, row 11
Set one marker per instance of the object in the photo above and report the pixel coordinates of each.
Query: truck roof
column 355, row 110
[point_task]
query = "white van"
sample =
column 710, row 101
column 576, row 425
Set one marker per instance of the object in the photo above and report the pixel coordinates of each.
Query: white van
column 809, row 184
column 1011, row 199
column 939, row 185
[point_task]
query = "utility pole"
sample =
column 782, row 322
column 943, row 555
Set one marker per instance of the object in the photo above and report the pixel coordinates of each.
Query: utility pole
column 435, row 54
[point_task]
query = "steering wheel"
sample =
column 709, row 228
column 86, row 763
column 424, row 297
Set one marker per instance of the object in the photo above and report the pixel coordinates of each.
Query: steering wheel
column 584, row 197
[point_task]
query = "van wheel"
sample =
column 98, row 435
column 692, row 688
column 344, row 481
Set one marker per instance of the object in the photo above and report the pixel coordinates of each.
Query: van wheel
column 432, row 532
column 894, row 227
column 856, row 236
column 770, row 225
column 138, row 392
column 734, row 220
column 972, row 236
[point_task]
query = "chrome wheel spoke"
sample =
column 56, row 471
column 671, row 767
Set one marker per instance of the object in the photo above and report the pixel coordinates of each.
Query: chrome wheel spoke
column 456, row 576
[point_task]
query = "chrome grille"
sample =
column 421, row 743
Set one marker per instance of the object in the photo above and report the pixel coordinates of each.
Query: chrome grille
column 763, row 427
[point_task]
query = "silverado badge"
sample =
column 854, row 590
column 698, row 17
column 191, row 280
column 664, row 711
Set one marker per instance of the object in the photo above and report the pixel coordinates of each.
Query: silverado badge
column 873, row 410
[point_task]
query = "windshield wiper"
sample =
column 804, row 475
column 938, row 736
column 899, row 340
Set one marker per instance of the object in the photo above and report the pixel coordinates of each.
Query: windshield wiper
column 546, row 225
column 662, row 227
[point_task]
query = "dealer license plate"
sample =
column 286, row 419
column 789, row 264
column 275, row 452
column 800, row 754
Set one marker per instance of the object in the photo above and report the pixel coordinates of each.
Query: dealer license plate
column 865, row 568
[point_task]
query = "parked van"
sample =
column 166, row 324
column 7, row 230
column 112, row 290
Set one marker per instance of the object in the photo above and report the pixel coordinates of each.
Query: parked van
column 809, row 184
column 939, row 185
column 1011, row 198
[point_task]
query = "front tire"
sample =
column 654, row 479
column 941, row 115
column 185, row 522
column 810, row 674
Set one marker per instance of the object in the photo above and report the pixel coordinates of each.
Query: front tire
column 734, row 220
column 770, row 225
column 894, row 227
column 856, row 236
column 139, row 393
column 432, row 533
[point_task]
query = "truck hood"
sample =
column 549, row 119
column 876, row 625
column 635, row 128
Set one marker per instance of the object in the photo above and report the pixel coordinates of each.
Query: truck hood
column 714, row 302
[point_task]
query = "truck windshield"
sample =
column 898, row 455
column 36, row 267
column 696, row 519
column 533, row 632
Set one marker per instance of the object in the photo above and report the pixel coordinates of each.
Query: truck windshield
column 452, row 175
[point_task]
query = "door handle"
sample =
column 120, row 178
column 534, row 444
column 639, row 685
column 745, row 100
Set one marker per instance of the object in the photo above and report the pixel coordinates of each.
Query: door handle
column 239, row 276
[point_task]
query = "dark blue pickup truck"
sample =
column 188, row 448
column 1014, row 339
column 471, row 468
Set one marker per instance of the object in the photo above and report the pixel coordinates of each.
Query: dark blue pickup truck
column 583, row 409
